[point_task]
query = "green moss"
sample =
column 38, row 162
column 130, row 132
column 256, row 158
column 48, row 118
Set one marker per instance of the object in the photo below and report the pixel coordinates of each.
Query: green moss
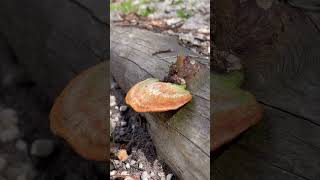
column 183, row 14
column 228, row 86
column 128, row 6
column 229, row 80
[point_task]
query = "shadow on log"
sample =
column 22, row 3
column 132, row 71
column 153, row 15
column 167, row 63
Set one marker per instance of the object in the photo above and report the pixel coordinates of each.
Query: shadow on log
column 182, row 137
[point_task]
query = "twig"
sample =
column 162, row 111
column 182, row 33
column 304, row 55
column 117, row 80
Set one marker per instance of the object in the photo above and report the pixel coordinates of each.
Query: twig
column 161, row 52
column 200, row 57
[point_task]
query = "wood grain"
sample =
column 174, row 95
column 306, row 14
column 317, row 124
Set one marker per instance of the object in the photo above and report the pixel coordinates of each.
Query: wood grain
column 280, row 50
column 182, row 137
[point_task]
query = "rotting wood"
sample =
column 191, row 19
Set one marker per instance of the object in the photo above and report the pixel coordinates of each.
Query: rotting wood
column 182, row 138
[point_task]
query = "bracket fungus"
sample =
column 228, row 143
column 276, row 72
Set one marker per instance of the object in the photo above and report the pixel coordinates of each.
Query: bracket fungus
column 234, row 109
column 79, row 115
column 151, row 95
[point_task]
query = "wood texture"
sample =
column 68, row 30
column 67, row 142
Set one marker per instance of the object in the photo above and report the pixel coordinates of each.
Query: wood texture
column 182, row 137
column 55, row 40
column 280, row 50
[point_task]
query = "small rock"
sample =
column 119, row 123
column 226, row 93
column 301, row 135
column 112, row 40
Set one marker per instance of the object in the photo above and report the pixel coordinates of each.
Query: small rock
column 125, row 173
column 113, row 84
column 122, row 132
column 204, row 30
column 145, row 175
column 113, row 101
column 116, row 107
column 9, row 135
column 169, row 176
column 3, row 163
column 173, row 21
column 132, row 162
column 127, row 166
column 123, row 123
column 42, row 147
column 123, row 108
column 140, row 165
column 8, row 117
column 152, row 174
column 161, row 174
column 113, row 172
column 21, row 145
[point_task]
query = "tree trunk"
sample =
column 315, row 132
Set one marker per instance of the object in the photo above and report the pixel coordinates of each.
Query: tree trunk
column 182, row 137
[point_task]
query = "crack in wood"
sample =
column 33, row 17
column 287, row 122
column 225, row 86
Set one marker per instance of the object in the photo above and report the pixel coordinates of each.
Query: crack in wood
column 290, row 113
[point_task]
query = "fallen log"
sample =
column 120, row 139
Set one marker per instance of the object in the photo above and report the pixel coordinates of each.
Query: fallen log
column 182, row 137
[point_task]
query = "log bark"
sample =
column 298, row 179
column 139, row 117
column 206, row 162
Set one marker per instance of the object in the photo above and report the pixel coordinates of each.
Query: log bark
column 182, row 137
column 55, row 40
column 279, row 46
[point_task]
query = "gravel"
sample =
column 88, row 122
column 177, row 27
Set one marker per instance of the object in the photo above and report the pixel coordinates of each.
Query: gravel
column 21, row 145
column 42, row 147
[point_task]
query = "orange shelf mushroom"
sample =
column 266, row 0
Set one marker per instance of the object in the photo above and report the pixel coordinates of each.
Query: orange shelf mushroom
column 79, row 115
column 151, row 95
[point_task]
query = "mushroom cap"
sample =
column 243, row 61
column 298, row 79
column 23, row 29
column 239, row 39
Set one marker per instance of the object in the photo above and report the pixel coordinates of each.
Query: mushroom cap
column 79, row 114
column 151, row 95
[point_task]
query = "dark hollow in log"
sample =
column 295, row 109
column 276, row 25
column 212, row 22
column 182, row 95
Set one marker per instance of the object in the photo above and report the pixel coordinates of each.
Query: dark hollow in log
column 182, row 137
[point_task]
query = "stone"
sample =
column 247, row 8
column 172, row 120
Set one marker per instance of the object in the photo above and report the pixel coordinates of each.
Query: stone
column 123, row 123
column 113, row 172
column 21, row 145
column 132, row 162
column 140, row 165
column 161, row 174
column 127, row 166
column 169, row 176
column 8, row 117
column 42, row 147
column 123, row 108
column 113, row 101
column 10, row 134
column 145, row 175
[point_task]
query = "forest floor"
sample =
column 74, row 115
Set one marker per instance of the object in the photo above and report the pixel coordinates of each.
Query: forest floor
column 189, row 20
